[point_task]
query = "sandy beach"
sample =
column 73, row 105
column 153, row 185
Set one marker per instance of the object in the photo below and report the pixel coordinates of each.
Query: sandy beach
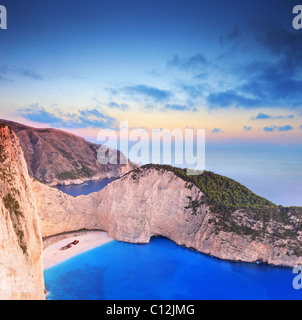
column 53, row 255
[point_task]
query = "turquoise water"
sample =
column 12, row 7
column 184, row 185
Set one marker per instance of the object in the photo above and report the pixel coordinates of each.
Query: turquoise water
column 162, row 270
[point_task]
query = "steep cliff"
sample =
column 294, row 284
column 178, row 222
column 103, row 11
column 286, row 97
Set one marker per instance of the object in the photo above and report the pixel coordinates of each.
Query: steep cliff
column 209, row 213
column 21, row 270
column 158, row 200
column 57, row 157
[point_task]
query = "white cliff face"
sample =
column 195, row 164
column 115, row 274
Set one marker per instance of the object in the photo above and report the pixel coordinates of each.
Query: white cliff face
column 129, row 210
column 144, row 203
column 21, row 270
column 134, row 209
column 157, row 202
column 59, row 212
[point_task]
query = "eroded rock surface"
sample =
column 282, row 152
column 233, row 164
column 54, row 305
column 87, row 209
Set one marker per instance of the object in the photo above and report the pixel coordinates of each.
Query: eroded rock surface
column 21, row 270
column 154, row 202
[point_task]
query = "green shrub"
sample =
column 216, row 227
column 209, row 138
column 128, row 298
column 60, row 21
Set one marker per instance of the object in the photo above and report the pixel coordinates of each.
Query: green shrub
column 84, row 172
column 12, row 205
column 2, row 154
column 222, row 194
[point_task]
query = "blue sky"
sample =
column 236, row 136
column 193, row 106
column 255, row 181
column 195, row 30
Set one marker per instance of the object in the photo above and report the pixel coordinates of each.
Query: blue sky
column 231, row 67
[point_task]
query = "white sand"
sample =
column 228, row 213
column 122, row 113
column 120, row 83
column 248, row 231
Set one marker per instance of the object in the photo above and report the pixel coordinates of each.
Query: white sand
column 52, row 255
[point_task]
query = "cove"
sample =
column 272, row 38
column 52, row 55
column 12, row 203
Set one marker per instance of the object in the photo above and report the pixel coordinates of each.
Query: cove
column 162, row 270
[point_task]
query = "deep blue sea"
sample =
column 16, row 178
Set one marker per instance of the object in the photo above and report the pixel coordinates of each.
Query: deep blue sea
column 162, row 270
column 86, row 188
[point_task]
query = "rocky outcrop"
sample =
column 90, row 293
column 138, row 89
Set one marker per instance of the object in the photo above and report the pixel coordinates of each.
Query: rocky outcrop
column 59, row 212
column 60, row 158
column 154, row 202
column 149, row 201
column 21, row 270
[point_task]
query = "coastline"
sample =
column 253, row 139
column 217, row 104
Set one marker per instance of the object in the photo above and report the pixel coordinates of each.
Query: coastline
column 52, row 255
column 76, row 182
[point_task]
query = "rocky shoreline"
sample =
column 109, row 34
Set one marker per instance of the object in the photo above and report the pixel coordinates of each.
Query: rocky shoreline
column 211, row 214
column 157, row 202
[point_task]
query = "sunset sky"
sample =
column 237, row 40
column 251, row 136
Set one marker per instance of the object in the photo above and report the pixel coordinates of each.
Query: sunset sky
column 230, row 67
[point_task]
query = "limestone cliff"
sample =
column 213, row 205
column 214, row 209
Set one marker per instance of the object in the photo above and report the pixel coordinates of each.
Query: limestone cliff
column 153, row 201
column 57, row 157
column 21, row 270
column 209, row 213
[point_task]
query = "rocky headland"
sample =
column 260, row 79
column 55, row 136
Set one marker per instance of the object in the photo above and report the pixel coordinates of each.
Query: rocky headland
column 56, row 157
column 234, row 224
column 209, row 213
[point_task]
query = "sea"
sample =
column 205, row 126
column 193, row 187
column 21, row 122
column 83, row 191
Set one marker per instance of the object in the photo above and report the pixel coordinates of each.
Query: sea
column 85, row 188
column 161, row 270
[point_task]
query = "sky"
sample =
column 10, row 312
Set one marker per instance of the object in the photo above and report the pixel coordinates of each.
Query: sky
column 230, row 67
